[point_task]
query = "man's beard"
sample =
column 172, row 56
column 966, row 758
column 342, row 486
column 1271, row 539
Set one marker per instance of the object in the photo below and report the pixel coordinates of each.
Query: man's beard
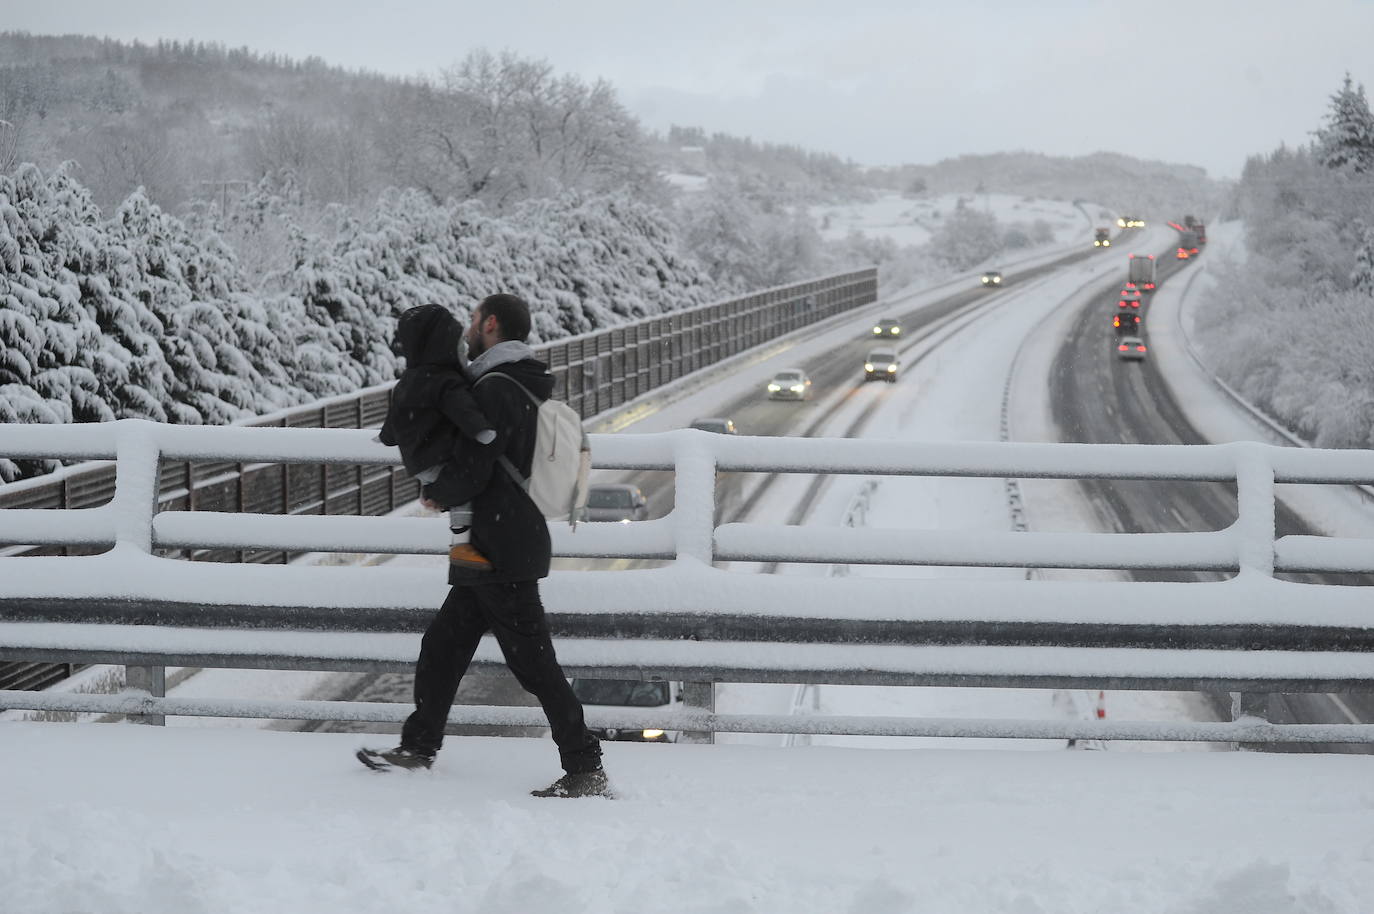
column 475, row 348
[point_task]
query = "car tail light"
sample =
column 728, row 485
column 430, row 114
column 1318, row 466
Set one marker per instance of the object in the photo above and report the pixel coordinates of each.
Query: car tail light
column 1123, row 348
column 1140, row 348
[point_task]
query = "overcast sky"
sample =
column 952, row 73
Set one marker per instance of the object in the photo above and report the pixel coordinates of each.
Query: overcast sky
column 1206, row 82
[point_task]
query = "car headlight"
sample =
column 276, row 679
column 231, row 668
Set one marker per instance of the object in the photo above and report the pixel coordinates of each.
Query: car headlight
column 653, row 734
column 798, row 388
column 868, row 366
column 892, row 368
column 773, row 388
column 896, row 330
column 877, row 329
column 996, row 279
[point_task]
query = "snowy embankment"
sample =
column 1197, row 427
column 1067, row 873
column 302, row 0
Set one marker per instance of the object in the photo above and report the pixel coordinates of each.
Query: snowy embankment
column 1219, row 413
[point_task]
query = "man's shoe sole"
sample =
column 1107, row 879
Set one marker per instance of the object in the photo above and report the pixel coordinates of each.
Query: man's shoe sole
column 380, row 764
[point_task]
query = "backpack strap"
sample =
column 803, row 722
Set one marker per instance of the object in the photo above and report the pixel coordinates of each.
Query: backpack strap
column 506, row 462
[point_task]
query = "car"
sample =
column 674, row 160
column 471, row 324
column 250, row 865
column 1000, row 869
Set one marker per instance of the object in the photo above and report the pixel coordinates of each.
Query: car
column 1103, row 238
column 887, row 326
column 881, row 365
column 615, row 503
column 1130, row 348
column 1130, row 298
column 1128, row 322
column 1130, row 222
column 992, row 279
column 790, row 384
column 719, row 425
column 636, row 694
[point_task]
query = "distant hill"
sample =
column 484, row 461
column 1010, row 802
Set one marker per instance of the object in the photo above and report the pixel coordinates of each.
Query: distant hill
column 1122, row 182
column 194, row 120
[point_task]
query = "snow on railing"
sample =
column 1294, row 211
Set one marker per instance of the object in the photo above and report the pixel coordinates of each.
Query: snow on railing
column 692, row 622
column 1248, row 545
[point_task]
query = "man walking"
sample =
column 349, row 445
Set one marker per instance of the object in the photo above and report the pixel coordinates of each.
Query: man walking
column 511, row 532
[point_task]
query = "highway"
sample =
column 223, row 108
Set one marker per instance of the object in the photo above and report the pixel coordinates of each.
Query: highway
column 924, row 327
column 1098, row 398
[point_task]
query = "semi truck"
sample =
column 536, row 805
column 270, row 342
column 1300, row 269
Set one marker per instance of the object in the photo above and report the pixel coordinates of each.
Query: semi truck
column 1187, row 244
column 1141, row 271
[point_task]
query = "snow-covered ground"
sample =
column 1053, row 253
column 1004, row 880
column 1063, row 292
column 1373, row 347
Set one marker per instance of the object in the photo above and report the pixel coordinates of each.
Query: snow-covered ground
column 143, row 819
column 212, row 819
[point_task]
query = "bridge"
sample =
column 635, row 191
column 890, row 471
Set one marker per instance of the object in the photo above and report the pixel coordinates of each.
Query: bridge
column 679, row 605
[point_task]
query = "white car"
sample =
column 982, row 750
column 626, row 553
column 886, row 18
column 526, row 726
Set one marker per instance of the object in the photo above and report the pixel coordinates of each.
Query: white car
column 790, row 384
column 881, row 365
column 1131, row 348
column 631, row 694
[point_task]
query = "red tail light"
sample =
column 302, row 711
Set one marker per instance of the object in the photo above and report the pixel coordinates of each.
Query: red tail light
column 1123, row 348
column 1140, row 348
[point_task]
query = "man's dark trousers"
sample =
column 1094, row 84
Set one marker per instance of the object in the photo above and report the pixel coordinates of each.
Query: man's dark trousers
column 514, row 614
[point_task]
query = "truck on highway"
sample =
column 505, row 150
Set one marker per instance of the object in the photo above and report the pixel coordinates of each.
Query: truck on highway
column 1187, row 244
column 1103, row 238
column 1141, row 271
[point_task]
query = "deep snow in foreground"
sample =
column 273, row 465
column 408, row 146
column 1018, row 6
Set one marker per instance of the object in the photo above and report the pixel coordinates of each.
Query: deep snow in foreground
column 221, row 822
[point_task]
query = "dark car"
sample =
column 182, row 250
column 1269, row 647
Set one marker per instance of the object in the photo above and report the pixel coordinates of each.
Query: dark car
column 630, row 694
column 717, row 424
column 881, row 365
column 1126, row 322
column 616, row 502
column 1103, row 238
column 887, row 326
column 992, row 279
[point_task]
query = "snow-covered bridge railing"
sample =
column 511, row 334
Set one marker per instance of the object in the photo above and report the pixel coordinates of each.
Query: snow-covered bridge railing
column 693, row 622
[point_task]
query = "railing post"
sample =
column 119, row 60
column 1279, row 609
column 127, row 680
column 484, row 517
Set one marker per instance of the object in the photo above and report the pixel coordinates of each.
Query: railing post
column 1254, row 509
column 1254, row 705
column 699, row 696
column 137, row 464
column 694, row 509
column 137, row 468
column 694, row 497
column 151, row 680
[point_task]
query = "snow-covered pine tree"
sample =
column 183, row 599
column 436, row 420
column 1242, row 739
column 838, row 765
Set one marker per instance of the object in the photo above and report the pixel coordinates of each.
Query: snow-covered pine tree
column 1347, row 140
